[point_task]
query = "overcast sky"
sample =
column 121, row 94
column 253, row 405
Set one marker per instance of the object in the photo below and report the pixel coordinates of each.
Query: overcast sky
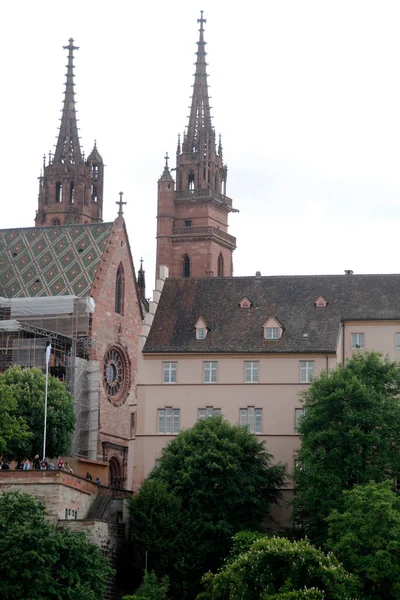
column 306, row 95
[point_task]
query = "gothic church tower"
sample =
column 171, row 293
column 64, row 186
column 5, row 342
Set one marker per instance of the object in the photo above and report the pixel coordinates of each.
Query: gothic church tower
column 192, row 217
column 70, row 188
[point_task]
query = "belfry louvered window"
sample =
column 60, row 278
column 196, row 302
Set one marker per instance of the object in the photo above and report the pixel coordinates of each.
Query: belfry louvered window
column 119, row 291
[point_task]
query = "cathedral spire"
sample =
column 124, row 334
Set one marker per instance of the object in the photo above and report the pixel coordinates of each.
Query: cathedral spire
column 70, row 187
column 68, row 148
column 192, row 211
column 200, row 128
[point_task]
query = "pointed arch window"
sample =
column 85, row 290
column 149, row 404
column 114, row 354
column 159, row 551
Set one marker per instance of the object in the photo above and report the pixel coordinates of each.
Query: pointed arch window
column 186, row 266
column 119, row 290
column 72, row 193
column 191, row 180
column 58, row 191
column 220, row 266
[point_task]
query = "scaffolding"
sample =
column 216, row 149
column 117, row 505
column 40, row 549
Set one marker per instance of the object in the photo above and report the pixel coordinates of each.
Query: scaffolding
column 27, row 324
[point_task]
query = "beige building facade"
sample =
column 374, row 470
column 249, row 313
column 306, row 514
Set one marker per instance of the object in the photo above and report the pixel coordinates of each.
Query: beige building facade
column 246, row 348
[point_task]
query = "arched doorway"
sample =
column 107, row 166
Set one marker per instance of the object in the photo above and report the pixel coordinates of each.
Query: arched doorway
column 116, row 479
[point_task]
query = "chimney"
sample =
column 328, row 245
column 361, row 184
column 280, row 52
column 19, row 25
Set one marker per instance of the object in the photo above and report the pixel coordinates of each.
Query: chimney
column 258, row 274
column 348, row 272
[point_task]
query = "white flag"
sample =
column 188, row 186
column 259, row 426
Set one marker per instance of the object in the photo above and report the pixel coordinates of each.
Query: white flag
column 48, row 352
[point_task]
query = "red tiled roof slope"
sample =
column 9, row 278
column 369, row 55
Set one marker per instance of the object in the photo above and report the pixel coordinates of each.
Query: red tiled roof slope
column 288, row 298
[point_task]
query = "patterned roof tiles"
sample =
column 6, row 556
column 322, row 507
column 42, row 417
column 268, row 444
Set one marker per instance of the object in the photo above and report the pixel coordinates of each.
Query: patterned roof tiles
column 51, row 261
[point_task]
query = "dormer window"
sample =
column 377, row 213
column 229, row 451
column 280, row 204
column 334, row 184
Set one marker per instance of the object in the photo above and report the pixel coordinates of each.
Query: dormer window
column 245, row 303
column 321, row 302
column 201, row 329
column 272, row 329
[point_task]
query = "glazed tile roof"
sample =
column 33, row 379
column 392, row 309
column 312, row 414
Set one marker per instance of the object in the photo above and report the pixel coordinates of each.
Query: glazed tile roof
column 51, row 261
column 290, row 299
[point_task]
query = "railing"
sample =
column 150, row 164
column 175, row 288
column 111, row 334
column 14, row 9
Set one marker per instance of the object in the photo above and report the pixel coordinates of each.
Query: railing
column 205, row 231
column 194, row 194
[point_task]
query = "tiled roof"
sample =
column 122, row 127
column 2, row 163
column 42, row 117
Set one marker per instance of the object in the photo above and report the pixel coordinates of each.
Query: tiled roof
column 51, row 261
column 288, row 298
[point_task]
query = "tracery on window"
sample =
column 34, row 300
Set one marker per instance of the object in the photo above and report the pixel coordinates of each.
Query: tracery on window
column 186, row 266
column 116, row 374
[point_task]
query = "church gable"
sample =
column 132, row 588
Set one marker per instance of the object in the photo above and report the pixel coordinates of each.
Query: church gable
column 51, row 261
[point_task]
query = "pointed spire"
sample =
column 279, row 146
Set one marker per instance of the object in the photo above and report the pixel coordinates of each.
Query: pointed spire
column 95, row 154
column 178, row 149
column 220, row 146
column 68, row 147
column 141, row 281
column 166, row 173
column 200, row 126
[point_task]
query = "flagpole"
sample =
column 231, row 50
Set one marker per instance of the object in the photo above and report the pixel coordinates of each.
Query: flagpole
column 48, row 350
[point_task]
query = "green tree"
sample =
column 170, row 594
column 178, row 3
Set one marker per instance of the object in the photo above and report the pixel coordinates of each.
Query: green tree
column 39, row 563
column 273, row 568
column 151, row 588
column 14, row 434
column 365, row 536
column 158, row 529
column 350, row 435
column 28, row 388
column 224, row 481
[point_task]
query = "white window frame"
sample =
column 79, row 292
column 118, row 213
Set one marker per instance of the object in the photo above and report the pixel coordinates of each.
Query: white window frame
column 272, row 333
column 208, row 411
column 168, row 420
column 251, row 417
column 201, row 333
column 210, row 371
column 251, row 371
column 169, row 372
column 356, row 338
column 298, row 413
column 306, row 371
column 397, row 341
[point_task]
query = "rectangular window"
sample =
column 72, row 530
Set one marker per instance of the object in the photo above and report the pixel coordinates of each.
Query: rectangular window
column 357, row 341
column 209, row 411
column 252, row 418
column 272, row 333
column 210, row 372
column 306, row 371
column 397, row 341
column 133, row 424
column 299, row 412
column 251, row 371
column 169, row 370
column 169, row 420
column 201, row 334
column 188, row 223
column 66, row 514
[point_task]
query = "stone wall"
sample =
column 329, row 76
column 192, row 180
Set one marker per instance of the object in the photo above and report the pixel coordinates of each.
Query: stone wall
column 60, row 491
column 109, row 538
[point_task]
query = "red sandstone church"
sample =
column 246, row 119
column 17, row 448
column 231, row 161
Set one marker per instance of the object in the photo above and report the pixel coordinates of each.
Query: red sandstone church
column 71, row 279
column 208, row 342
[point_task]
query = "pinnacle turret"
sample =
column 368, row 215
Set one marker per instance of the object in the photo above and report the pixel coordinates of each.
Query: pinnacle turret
column 68, row 147
column 166, row 174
